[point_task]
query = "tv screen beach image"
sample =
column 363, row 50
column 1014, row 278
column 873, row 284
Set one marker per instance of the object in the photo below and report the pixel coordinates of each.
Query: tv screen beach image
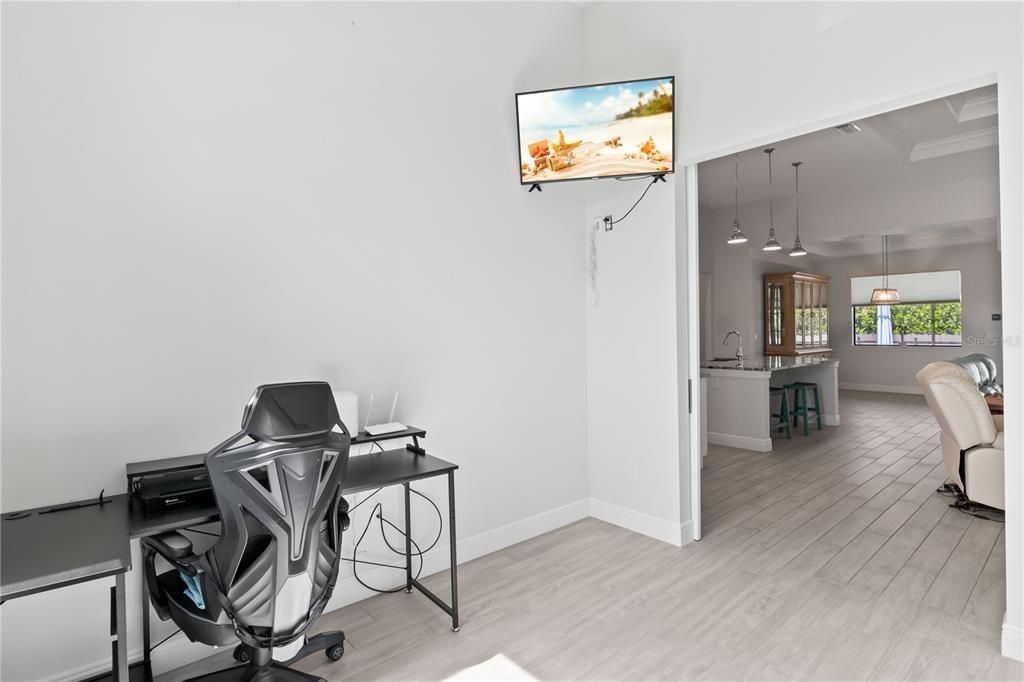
column 596, row 131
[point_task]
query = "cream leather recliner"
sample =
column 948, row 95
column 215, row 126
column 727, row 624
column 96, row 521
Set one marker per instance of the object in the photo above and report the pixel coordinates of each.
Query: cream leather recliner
column 972, row 438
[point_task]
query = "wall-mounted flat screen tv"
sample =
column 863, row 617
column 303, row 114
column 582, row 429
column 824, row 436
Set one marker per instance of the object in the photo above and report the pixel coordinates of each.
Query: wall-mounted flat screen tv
column 611, row 130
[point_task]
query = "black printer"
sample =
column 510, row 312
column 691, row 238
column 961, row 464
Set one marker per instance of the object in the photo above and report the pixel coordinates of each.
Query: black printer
column 188, row 487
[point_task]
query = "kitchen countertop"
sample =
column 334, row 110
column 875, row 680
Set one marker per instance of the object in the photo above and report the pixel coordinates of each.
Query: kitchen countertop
column 769, row 363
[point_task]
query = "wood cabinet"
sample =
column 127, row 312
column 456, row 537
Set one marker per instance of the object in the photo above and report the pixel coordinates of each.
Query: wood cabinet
column 796, row 314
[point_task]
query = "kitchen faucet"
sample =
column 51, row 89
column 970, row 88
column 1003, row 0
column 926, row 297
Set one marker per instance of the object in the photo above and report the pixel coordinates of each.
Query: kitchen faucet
column 739, row 339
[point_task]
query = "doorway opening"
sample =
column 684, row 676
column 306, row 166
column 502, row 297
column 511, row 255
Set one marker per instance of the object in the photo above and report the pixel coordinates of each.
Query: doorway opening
column 821, row 453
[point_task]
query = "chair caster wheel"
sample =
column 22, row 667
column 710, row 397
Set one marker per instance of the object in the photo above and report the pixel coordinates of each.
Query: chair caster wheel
column 456, row 629
column 241, row 654
column 335, row 652
column 408, row 590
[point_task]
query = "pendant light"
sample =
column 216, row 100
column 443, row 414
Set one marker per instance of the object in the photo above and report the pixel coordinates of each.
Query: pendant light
column 798, row 248
column 772, row 244
column 737, row 236
column 884, row 295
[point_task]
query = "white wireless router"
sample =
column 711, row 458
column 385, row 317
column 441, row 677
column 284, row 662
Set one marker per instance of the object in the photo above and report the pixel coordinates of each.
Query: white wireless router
column 380, row 429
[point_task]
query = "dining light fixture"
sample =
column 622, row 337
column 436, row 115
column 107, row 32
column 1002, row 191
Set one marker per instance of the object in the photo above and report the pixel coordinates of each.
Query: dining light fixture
column 737, row 236
column 798, row 248
column 772, row 244
column 883, row 295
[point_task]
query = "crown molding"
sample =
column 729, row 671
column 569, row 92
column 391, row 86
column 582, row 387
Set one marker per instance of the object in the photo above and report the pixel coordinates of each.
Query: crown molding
column 955, row 144
column 973, row 108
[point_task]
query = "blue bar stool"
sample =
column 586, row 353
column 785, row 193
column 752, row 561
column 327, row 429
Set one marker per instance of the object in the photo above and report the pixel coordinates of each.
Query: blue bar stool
column 783, row 414
column 800, row 407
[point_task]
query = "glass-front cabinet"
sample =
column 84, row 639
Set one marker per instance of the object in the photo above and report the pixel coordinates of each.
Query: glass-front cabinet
column 796, row 314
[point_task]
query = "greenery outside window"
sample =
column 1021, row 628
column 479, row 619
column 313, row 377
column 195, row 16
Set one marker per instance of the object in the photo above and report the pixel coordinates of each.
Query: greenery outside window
column 913, row 324
column 929, row 312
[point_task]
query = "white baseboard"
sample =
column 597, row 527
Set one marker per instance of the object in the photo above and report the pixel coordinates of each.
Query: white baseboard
column 742, row 442
column 880, row 388
column 1013, row 641
column 519, row 531
column 178, row 651
column 94, row 669
column 677, row 534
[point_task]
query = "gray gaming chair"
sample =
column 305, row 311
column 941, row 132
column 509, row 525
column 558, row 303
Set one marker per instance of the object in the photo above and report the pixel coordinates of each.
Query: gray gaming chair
column 268, row 576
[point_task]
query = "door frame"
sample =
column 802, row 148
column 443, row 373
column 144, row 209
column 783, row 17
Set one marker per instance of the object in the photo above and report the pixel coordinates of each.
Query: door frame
column 691, row 240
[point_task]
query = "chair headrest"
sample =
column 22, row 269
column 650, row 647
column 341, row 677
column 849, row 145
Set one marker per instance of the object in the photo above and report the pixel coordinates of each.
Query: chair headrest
column 953, row 395
column 291, row 410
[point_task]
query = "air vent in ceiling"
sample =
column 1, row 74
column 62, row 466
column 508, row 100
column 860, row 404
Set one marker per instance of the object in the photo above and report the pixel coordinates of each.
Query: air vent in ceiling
column 848, row 129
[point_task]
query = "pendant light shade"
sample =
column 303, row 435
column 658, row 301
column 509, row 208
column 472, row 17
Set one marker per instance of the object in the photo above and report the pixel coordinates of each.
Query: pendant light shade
column 772, row 244
column 737, row 236
column 798, row 248
column 883, row 295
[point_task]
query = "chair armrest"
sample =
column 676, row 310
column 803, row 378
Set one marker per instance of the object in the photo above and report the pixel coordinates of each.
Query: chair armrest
column 343, row 520
column 175, row 550
column 173, row 546
column 178, row 551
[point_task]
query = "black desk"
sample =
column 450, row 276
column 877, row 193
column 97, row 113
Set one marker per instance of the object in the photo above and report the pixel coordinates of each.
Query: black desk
column 136, row 470
column 365, row 472
column 361, row 476
column 48, row 551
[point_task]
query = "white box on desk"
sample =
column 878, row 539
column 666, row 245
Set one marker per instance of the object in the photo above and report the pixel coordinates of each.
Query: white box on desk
column 348, row 409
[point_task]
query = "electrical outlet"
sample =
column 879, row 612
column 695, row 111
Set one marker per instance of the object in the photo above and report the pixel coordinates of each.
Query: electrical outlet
column 608, row 223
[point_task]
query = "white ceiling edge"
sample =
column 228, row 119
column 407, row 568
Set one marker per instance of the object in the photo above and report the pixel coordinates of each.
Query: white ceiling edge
column 974, row 108
column 955, row 144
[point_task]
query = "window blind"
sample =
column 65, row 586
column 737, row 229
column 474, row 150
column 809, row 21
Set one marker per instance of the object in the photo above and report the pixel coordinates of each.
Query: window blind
column 917, row 287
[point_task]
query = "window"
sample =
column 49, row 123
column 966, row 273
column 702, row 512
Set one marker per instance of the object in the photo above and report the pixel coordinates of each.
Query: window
column 929, row 312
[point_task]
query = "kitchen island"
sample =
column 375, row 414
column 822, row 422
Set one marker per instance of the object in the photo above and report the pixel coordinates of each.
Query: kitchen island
column 738, row 408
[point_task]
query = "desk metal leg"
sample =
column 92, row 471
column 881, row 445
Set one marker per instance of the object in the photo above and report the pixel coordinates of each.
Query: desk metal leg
column 147, row 662
column 408, row 541
column 452, row 610
column 119, row 629
column 451, row 543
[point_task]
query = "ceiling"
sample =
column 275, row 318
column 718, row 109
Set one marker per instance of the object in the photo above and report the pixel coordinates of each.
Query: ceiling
column 947, row 138
column 920, row 237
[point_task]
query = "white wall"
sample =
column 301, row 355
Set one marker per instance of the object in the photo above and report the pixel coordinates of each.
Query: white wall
column 631, row 368
column 753, row 73
column 200, row 198
column 635, row 422
column 162, row 149
column 893, row 368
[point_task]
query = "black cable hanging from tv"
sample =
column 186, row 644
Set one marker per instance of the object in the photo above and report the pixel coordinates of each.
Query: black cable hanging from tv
column 610, row 222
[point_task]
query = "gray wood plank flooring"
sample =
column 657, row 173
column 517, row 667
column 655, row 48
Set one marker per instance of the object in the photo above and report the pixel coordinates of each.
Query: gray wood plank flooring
column 830, row 558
